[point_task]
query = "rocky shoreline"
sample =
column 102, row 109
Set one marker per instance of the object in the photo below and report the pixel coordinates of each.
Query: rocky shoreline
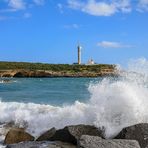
column 79, row 136
column 46, row 73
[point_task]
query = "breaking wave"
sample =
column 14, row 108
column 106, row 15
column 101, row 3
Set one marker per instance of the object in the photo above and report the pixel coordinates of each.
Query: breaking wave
column 114, row 103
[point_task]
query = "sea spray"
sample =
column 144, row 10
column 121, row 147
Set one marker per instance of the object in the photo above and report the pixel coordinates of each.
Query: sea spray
column 118, row 104
column 114, row 103
column 123, row 101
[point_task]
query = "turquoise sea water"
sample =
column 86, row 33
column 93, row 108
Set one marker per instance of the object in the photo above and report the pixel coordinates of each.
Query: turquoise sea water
column 54, row 91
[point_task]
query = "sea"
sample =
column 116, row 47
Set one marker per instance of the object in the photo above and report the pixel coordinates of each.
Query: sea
column 111, row 103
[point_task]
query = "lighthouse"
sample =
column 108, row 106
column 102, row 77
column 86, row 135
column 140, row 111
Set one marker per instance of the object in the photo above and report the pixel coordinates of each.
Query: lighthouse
column 79, row 54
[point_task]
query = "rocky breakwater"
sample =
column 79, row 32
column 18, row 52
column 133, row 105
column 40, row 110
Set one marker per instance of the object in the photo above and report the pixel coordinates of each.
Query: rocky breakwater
column 45, row 73
column 80, row 136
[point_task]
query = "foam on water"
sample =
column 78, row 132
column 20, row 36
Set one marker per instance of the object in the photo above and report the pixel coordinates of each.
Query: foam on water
column 114, row 104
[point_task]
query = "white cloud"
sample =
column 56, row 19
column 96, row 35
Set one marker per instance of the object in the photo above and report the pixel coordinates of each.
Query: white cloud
column 7, row 10
column 74, row 4
column 60, row 7
column 17, row 4
column 27, row 15
column 109, row 44
column 143, row 5
column 124, row 6
column 101, row 8
column 2, row 18
column 72, row 26
column 39, row 2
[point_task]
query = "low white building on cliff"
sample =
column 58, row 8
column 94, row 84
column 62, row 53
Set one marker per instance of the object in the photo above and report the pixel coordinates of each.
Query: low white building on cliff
column 90, row 62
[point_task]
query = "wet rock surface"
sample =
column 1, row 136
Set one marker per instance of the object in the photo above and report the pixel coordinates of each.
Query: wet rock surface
column 72, row 133
column 97, row 142
column 47, row 135
column 42, row 144
column 137, row 132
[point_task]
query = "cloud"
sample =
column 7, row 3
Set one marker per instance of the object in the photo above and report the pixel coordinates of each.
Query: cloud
column 27, row 15
column 72, row 26
column 17, row 4
column 109, row 44
column 60, row 7
column 100, row 8
column 39, row 2
column 7, row 10
column 143, row 5
column 2, row 18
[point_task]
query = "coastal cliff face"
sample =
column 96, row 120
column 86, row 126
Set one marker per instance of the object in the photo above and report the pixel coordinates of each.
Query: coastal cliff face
column 46, row 73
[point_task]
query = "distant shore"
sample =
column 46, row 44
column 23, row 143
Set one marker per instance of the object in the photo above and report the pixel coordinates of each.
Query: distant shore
column 19, row 69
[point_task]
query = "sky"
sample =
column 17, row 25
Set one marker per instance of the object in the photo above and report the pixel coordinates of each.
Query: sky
column 48, row 31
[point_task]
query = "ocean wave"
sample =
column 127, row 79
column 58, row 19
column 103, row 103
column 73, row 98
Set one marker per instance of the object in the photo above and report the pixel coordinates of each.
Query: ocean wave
column 41, row 117
column 5, row 81
column 114, row 104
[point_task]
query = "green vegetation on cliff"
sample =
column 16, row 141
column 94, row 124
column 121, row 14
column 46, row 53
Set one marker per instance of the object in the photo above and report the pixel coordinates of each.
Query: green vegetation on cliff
column 54, row 67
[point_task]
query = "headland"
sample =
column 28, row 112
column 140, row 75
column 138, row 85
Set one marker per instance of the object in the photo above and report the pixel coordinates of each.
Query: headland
column 24, row 69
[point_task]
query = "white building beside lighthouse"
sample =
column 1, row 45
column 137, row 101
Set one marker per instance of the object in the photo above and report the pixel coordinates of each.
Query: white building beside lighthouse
column 90, row 62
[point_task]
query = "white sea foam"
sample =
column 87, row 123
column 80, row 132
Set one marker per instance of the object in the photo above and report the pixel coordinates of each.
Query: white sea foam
column 114, row 104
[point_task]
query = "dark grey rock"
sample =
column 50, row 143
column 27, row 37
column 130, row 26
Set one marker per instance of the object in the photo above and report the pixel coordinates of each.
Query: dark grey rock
column 137, row 132
column 43, row 144
column 72, row 133
column 17, row 135
column 96, row 142
column 47, row 135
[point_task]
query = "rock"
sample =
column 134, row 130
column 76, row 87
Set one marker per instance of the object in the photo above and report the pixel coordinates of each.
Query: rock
column 72, row 133
column 47, row 135
column 97, row 142
column 137, row 132
column 17, row 135
column 42, row 144
column 5, row 127
column 21, row 74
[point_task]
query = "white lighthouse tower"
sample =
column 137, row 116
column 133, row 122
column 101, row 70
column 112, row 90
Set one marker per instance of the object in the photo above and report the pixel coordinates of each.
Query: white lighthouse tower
column 79, row 54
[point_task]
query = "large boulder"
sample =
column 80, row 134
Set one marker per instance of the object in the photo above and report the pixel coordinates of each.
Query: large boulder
column 97, row 142
column 17, row 135
column 137, row 132
column 43, row 144
column 47, row 135
column 72, row 133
